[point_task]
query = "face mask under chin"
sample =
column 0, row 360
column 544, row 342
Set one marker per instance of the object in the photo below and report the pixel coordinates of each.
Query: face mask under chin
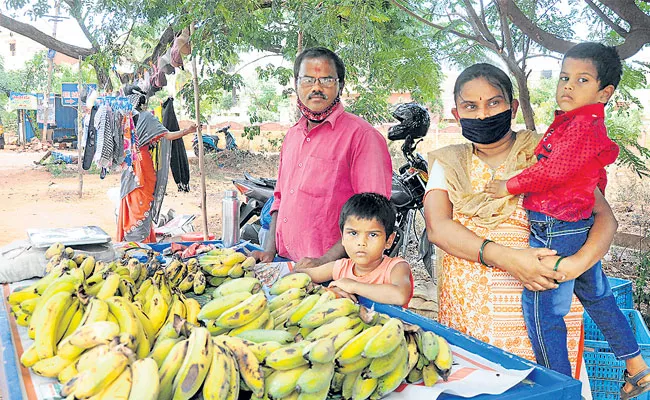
column 317, row 116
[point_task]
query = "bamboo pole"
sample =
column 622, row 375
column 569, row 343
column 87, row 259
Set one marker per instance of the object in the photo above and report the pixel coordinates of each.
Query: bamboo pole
column 80, row 133
column 195, row 80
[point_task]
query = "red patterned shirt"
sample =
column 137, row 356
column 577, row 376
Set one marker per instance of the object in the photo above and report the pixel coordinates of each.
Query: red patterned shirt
column 572, row 157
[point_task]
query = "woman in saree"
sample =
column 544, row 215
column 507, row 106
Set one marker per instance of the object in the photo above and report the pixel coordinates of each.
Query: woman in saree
column 147, row 145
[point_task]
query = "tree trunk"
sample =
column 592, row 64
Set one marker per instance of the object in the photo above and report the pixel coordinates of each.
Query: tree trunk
column 524, row 99
column 104, row 83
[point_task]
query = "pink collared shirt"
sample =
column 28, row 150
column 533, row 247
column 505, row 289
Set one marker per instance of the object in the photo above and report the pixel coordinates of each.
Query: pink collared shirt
column 319, row 171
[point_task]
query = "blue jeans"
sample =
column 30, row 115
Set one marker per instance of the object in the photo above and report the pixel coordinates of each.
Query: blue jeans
column 544, row 311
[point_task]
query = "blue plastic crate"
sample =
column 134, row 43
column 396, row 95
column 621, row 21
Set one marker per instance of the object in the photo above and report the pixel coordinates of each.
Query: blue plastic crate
column 622, row 289
column 604, row 370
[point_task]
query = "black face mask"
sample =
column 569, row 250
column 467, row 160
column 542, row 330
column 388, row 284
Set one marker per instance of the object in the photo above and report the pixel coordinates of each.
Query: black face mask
column 489, row 130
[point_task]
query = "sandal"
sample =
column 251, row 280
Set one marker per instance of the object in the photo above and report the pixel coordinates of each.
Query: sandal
column 637, row 388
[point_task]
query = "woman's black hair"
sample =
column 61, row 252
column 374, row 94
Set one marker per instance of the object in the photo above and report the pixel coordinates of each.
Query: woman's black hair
column 323, row 53
column 369, row 206
column 495, row 77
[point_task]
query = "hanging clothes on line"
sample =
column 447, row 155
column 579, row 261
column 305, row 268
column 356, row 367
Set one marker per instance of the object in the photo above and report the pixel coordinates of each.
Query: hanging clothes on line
column 91, row 137
column 179, row 163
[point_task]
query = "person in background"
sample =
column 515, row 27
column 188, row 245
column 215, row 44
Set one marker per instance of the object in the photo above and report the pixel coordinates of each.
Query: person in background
column 143, row 183
column 367, row 226
column 326, row 157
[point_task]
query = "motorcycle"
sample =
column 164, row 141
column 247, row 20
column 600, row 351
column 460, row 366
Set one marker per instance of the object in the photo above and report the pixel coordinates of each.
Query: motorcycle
column 407, row 194
column 256, row 191
column 211, row 142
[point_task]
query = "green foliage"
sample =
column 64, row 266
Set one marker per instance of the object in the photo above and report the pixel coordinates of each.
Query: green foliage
column 642, row 285
column 623, row 127
column 265, row 102
column 542, row 98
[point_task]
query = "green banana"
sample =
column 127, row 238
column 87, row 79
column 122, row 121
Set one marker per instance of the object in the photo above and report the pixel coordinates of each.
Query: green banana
column 381, row 366
column 280, row 384
column 316, row 378
column 328, row 311
column 250, row 285
column 214, row 308
column 265, row 335
column 286, row 297
column 243, row 313
column 288, row 357
column 305, row 306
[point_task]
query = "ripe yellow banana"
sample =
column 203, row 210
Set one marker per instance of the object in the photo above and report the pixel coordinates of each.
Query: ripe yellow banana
column 68, row 372
column 262, row 350
column 192, row 308
column 195, row 365
column 96, row 310
column 217, row 382
column 28, row 305
column 286, row 297
column 218, row 270
column 162, row 348
column 56, row 249
column 158, row 309
column 169, row 369
column 22, row 319
column 149, row 330
column 321, row 351
column 233, row 392
column 288, row 357
column 111, row 283
column 243, row 313
column 444, row 358
column 316, row 378
column 128, row 322
column 280, row 384
column 414, row 353
column 250, row 285
column 393, row 379
column 51, row 314
column 29, row 356
column 430, row 375
column 50, row 367
column 352, row 350
column 386, row 340
column 66, row 284
column 256, row 324
column 214, row 308
column 363, row 388
column 328, row 311
column 333, row 328
column 146, row 382
column 295, row 280
column 75, row 322
column 381, row 366
column 120, row 388
column 198, row 285
column 322, row 395
column 176, row 307
column 249, row 367
column 344, row 337
column 102, row 373
column 89, row 357
column 66, row 319
column 233, row 258
column 354, row 366
column 236, row 271
column 248, row 263
column 87, row 337
column 305, row 306
column 17, row 297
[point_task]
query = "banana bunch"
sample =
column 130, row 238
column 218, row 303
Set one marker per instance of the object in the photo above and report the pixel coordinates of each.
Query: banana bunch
column 434, row 360
column 221, row 265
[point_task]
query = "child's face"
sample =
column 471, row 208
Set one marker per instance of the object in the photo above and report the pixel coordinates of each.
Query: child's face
column 579, row 85
column 365, row 240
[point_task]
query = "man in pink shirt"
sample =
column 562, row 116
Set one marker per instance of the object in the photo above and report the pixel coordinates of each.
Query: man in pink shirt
column 327, row 156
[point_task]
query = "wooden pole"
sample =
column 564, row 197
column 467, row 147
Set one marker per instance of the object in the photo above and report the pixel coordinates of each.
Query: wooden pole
column 80, row 133
column 195, row 79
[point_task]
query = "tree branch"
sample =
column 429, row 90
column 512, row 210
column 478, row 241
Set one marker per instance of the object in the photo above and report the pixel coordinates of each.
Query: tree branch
column 166, row 38
column 629, row 11
column 479, row 23
column 434, row 25
column 616, row 27
column 505, row 31
column 44, row 39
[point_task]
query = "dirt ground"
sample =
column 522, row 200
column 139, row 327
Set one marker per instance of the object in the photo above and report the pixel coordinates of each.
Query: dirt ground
column 34, row 196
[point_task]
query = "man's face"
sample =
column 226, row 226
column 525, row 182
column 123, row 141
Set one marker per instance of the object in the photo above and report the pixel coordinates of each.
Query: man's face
column 318, row 95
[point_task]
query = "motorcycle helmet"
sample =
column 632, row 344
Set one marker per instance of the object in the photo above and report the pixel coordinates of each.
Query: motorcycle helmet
column 414, row 121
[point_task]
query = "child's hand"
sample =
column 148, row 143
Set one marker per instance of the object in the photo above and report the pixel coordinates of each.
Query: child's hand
column 497, row 188
column 346, row 285
column 567, row 266
column 342, row 293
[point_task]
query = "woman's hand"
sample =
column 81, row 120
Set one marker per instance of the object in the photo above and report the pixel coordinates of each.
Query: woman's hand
column 190, row 129
column 526, row 266
column 263, row 256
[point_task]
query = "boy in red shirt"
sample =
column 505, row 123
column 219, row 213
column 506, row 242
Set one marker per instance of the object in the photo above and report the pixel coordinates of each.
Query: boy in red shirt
column 559, row 197
column 367, row 223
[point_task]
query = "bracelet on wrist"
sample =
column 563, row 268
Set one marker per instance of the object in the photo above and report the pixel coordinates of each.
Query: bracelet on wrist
column 557, row 264
column 480, row 253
